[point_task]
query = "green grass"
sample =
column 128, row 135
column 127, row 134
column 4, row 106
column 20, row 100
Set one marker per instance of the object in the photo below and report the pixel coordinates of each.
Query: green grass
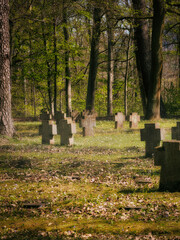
column 84, row 190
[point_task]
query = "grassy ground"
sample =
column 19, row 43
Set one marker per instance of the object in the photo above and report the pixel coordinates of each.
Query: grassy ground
column 88, row 191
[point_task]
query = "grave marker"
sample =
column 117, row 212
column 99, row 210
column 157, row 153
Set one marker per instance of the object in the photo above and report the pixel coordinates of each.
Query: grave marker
column 88, row 122
column 168, row 157
column 176, row 132
column 134, row 118
column 75, row 115
column 152, row 135
column 48, row 128
column 119, row 120
column 66, row 128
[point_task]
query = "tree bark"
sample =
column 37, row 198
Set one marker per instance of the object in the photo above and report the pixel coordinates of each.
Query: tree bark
column 55, row 67
column 6, row 123
column 110, row 72
column 142, row 44
column 153, row 105
column 67, row 68
column 90, row 99
column 48, row 67
column 126, row 76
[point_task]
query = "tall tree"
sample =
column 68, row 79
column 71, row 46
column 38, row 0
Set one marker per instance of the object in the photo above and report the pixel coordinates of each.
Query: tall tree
column 90, row 99
column 66, row 58
column 6, row 124
column 154, row 93
column 110, row 64
column 142, row 44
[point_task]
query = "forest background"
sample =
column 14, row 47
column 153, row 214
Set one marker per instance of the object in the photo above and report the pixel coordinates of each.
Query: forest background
column 51, row 55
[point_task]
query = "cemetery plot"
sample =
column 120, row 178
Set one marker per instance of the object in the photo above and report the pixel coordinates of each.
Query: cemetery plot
column 103, row 186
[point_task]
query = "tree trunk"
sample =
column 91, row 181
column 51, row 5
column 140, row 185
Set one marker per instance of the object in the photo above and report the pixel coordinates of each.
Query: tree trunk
column 142, row 44
column 126, row 76
column 55, row 67
column 66, row 57
column 153, row 105
column 48, row 66
column 6, row 124
column 90, row 99
column 110, row 73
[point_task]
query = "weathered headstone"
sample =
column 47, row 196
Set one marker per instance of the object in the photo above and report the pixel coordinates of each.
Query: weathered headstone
column 176, row 132
column 88, row 122
column 152, row 135
column 168, row 157
column 48, row 128
column 134, row 118
column 66, row 128
column 119, row 120
column 75, row 115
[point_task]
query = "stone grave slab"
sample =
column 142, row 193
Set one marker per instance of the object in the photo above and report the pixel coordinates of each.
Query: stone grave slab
column 168, row 157
column 152, row 134
column 134, row 118
column 88, row 122
column 66, row 128
column 74, row 115
column 175, row 131
column 48, row 128
column 119, row 120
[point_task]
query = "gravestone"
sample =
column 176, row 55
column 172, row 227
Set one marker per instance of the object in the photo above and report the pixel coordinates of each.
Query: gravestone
column 152, row 135
column 134, row 118
column 75, row 115
column 66, row 128
column 119, row 120
column 48, row 128
column 168, row 157
column 88, row 122
column 176, row 132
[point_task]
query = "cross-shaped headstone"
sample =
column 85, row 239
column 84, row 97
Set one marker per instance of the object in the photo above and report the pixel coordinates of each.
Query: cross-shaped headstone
column 88, row 122
column 176, row 132
column 168, row 157
column 66, row 128
column 48, row 128
column 75, row 115
column 152, row 135
column 119, row 120
column 134, row 118
column 60, row 115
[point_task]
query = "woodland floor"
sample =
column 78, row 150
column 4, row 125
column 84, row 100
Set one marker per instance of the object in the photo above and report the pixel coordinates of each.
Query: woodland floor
column 93, row 190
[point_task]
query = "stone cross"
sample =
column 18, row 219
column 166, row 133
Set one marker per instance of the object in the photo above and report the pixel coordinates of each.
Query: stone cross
column 176, row 132
column 168, row 157
column 88, row 122
column 48, row 128
column 134, row 118
column 152, row 135
column 66, row 128
column 119, row 120
column 75, row 115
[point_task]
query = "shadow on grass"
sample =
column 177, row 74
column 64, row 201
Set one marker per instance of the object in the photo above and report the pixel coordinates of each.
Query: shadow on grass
column 21, row 162
column 139, row 190
column 32, row 234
